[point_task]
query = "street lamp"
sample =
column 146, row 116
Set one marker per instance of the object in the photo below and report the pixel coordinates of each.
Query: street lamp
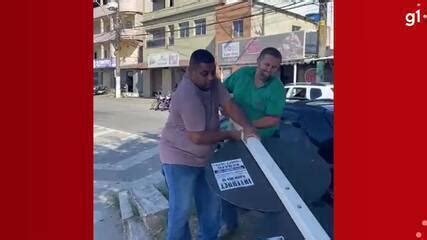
column 114, row 6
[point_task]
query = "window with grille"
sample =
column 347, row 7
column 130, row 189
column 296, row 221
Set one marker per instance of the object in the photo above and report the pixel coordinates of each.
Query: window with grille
column 184, row 30
column 171, row 35
column 238, row 28
column 200, row 27
column 157, row 38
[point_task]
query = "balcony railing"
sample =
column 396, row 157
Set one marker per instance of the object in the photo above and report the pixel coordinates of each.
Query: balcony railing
column 101, row 12
column 104, row 37
column 132, row 34
column 125, row 6
column 171, row 11
column 128, row 34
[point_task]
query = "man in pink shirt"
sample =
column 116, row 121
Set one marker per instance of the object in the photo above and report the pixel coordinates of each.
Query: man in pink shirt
column 187, row 142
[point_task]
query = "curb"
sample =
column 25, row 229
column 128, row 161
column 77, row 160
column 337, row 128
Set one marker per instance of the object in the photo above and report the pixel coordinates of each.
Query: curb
column 152, row 208
column 143, row 208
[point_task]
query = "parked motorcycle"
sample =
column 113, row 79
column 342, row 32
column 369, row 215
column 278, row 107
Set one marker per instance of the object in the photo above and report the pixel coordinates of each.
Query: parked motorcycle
column 100, row 90
column 165, row 102
column 156, row 102
column 161, row 102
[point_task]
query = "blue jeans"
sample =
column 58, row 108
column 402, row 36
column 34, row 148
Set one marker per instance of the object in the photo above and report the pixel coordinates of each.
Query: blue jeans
column 184, row 184
column 229, row 215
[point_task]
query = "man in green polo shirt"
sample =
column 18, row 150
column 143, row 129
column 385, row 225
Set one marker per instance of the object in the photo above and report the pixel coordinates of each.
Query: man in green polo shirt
column 259, row 93
column 261, row 96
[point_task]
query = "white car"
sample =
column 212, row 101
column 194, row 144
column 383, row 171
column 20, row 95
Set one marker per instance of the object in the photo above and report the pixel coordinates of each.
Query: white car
column 309, row 91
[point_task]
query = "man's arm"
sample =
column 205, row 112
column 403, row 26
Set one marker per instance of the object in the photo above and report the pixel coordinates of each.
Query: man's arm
column 265, row 122
column 232, row 110
column 212, row 137
column 193, row 115
column 236, row 114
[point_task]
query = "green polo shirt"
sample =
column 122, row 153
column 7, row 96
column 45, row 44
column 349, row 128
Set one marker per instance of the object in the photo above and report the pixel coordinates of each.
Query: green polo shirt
column 257, row 102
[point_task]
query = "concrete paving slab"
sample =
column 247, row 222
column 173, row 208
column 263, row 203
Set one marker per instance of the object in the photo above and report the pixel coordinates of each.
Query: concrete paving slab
column 130, row 161
column 125, row 207
column 152, row 207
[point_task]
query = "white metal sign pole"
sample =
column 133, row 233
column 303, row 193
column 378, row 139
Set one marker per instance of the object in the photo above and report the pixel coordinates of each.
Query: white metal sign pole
column 298, row 210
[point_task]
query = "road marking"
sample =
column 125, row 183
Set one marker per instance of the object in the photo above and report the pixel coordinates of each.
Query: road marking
column 120, row 142
column 116, row 130
column 97, row 134
column 127, row 162
column 155, row 178
column 130, row 161
column 116, row 144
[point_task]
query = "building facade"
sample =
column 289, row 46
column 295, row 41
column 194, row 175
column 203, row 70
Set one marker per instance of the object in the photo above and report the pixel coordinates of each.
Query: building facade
column 247, row 27
column 108, row 24
column 173, row 30
column 155, row 38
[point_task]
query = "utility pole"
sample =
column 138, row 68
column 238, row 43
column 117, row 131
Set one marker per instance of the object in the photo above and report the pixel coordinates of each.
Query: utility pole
column 117, row 50
column 321, row 41
column 263, row 20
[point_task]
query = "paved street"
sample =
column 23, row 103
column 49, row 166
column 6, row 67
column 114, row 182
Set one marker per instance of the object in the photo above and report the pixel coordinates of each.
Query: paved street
column 129, row 115
column 126, row 135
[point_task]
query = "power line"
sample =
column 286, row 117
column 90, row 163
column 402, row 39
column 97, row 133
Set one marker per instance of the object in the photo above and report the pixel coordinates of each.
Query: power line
column 216, row 22
column 285, row 7
column 207, row 30
column 144, row 35
column 231, row 5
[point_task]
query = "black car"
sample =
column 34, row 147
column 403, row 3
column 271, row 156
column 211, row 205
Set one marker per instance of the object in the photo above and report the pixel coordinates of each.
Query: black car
column 311, row 122
column 313, row 119
column 304, row 153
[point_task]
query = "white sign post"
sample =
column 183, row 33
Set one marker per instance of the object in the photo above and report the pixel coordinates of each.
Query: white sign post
column 297, row 209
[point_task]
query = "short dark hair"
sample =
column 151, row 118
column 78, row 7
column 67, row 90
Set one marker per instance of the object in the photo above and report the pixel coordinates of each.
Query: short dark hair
column 270, row 51
column 201, row 56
